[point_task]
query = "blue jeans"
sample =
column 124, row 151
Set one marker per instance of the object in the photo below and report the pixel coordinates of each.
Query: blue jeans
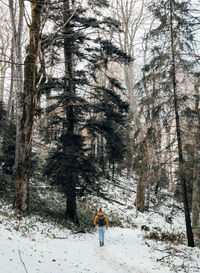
column 101, row 231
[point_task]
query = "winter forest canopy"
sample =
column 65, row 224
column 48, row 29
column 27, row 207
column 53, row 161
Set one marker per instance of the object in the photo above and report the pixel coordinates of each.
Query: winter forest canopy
column 94, row 90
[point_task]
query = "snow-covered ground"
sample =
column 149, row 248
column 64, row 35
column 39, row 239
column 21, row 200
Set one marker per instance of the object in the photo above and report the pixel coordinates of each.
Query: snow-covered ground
column 124, row 252
column 48, row 249
column 79, row 253
column 31, row 244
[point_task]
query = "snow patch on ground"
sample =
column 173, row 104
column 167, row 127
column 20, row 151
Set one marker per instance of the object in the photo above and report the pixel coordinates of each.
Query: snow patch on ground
column 32, row 245
column 125, row 251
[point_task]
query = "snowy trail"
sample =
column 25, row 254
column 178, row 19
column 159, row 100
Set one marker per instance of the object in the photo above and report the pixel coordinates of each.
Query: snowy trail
column 122, row 253
column 115, row 254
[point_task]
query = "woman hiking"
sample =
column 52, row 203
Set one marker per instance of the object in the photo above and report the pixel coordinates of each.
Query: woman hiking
column 101, row 223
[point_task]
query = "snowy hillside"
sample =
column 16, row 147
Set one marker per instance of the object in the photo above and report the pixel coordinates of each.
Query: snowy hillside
column 143, row 245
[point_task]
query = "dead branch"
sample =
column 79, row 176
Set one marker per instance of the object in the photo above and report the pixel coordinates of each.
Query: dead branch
column 159, row 260
column 22, row 261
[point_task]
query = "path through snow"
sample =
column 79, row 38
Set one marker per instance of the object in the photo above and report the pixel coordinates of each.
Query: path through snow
column 123, row 252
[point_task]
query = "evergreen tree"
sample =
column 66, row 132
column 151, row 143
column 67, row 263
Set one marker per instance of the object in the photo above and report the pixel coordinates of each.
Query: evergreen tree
column 173, row 39
column 79, row 102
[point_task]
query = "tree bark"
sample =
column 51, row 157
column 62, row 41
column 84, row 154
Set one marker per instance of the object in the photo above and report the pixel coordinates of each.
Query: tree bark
column 179, row 136
column 142, row 183
column 2, row 82
column 69, row 91
column 19, row 74
column 4, row 46
column 71, row 213
column 196, row 175
column 17, row 57
column 196, row 192
column 10, row 100
column 21, row 200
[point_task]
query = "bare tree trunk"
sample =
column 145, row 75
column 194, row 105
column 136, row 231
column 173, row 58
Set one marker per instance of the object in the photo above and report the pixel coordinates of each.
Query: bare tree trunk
column 196, row 190
column 19, row 81
column 2, row 81
column 179, row 137
column 144, row 172
column 142, row 183
column 10, row 100
column 17, row 46
column 196, row 175
column 168, row 158
column 4, row 46
column 21, row 200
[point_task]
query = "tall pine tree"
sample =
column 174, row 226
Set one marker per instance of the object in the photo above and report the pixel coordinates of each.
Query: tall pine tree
column 173, row 42
column 82, row 108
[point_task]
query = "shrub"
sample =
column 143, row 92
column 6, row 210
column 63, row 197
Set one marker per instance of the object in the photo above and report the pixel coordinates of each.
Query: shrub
column 165, row 236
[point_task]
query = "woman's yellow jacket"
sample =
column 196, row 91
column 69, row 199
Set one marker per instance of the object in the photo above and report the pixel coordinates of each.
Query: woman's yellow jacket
column 96, row 219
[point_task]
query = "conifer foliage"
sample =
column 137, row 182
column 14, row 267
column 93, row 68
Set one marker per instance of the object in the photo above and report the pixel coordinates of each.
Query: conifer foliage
column 83, row 107
column 171, row 55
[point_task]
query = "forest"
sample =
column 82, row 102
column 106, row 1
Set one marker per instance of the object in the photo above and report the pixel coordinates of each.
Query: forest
column 93, row 92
